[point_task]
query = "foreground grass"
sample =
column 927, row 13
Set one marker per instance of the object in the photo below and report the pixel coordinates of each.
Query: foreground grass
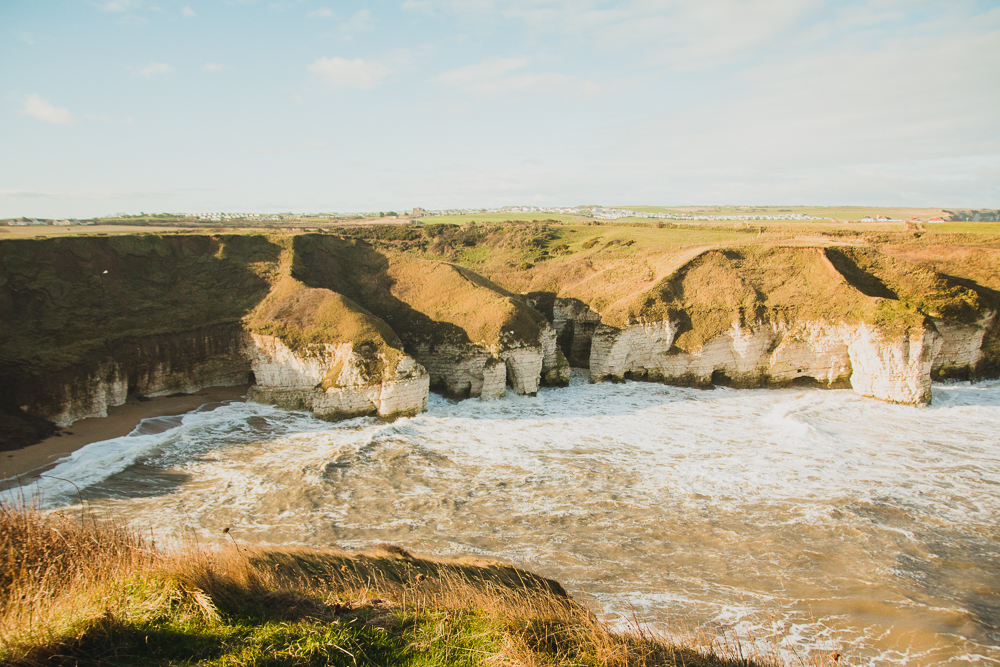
column 77, row 592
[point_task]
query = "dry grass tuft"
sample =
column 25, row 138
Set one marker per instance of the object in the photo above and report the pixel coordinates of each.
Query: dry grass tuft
column 84, row 592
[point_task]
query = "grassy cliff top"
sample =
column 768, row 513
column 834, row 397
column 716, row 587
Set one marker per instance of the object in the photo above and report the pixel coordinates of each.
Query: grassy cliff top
column 751, row 285
column 421, row 299
column 975, row 265
column 306, row 319
column 489, row 315
column 64, row 300
column 76, row 591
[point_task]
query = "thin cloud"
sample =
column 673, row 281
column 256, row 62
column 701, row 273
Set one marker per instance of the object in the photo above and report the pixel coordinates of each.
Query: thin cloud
column 213, row 67
column 344, row 73
column 188, row 12
column 360, row 20
column 118, row 6
column 28, row 38
column 292, row 148
column 155, row 69
column 423, row 6
column 38, row 107
column 502, row 76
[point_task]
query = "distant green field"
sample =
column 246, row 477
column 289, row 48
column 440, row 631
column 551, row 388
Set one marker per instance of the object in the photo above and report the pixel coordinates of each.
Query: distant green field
column 498, row 217
column 964, row 227
column 646, row 237
column 652, row 209
column 835, row 212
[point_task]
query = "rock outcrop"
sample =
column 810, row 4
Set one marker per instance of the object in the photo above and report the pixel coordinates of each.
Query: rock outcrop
column 148, row 367
column 473, row 337
column 722, row 321
column 299, row 381
column 555, row 369
column 313, row 349
column 337, row 327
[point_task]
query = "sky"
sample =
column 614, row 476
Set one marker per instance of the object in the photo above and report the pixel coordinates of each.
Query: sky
column 195, row 106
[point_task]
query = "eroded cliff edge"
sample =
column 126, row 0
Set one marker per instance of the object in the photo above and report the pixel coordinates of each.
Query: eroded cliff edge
column 779, row 316
column 310, row 321
column 341, row 328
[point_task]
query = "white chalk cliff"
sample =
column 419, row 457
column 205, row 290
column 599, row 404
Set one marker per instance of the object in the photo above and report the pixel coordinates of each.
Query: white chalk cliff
column 335, row 381
column 158, row 366
column 891, row 367
column 463, row 370
column 335, row 327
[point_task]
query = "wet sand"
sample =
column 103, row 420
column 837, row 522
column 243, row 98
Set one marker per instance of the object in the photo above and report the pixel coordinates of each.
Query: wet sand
column 30, row 461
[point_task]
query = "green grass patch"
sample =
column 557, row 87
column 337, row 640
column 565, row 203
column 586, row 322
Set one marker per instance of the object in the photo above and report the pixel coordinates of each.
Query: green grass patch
column 500, row 218
column 986, row 228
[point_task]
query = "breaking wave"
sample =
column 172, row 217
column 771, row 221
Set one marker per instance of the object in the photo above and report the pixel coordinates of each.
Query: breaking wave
column 817, row 520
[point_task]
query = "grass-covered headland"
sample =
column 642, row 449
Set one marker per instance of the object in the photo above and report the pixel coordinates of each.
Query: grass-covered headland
column 77, row 591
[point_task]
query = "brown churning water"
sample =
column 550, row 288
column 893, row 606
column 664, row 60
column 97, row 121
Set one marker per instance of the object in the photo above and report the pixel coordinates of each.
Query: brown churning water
column 817, row 519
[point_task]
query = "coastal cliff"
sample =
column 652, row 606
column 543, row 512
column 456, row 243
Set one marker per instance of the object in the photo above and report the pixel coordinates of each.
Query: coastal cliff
column 339, row 327
column 87, row 322
column 829, row 317
column 312, row 322
column 474, row 338
column 313, row 349
column 158, row 365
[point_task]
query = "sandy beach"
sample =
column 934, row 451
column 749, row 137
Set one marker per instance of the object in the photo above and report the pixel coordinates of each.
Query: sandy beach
column 121, row 420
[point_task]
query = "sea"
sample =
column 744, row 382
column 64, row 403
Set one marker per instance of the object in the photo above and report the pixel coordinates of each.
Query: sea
column 805, row 521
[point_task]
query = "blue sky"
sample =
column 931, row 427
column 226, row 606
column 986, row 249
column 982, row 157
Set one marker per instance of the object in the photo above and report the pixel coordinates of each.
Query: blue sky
column 302, row 105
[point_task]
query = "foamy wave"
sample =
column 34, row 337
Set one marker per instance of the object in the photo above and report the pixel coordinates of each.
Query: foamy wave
column 174, row 437
column 820, row 517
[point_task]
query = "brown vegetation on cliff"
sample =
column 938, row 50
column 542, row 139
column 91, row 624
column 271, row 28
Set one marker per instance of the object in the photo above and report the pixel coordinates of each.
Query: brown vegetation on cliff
column 82, row 313
column 308, row 319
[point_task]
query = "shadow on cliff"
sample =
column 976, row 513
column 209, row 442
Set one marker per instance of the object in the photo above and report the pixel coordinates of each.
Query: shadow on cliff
column 355, row 269
column 84, row 310
column 989, row 363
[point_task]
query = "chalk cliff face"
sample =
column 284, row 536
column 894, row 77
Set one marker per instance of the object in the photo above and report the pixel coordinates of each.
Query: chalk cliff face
column 335, row 326
column 575, row 323
column 335, row 381
column 884, row 337
column 462, row 370
column 154, row 366
column 894, row 368
column 961, row 347
column 891, row 368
